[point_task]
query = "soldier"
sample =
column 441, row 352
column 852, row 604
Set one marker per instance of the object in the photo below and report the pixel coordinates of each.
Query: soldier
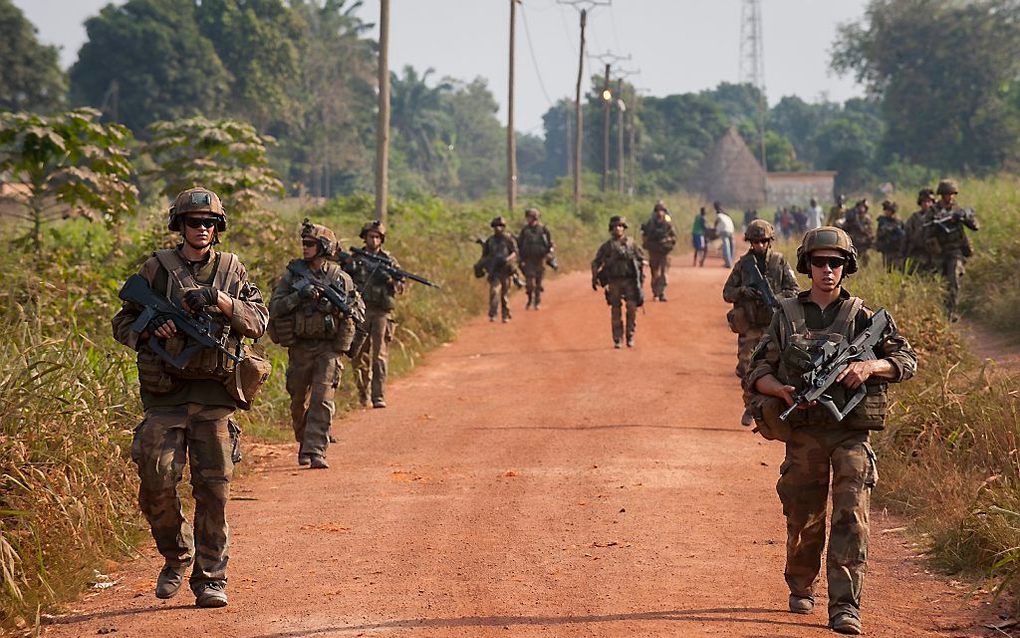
column 536, row 247
column 619, row 267
column 915, row 253
column 890, row 237
column 946, row 241
column 752, row 295
column 658, row 237
column 379, row 291
column 837, row 212
column 188, row 410
column 307, row 320
column 857, row 223
column 499, row 259
column 817, row 444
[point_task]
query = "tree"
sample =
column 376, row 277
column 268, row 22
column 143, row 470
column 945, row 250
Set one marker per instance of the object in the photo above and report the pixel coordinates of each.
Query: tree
column 148, row 59
column 226, row 156
column 478, row 136
column 422, row 126
column 849, row 144
column 945, row 95
column 30, row 75
column 70, row 166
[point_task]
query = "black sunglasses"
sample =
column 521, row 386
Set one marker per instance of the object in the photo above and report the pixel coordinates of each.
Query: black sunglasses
column 831, row 262
column 309, row 242
column 200, row 222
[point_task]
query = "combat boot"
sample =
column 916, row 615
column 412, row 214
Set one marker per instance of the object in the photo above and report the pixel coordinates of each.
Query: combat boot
column 303, row 459
column 212, row 594
column 616, row 344
column 801, row 604
column 846, row 623
column 318, row 462
column 168, row 583
column 378, row 403
column 630, row 341
column 746, row 420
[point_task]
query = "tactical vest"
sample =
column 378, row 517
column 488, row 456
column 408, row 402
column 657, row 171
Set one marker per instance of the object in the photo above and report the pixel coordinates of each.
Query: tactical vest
column 315, row 320
column 797, row 339
column 154, row 374
column 938, row 242
column 890, row 234
column 757, row 312
column 620, row 263
column 657, row 236
column 534, row 243
column 375, row 288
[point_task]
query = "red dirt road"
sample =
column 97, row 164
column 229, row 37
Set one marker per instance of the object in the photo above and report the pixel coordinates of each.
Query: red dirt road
column 529, row 480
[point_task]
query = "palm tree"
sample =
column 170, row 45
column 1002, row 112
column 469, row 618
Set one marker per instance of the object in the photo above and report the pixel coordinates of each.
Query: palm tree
column 418, row 117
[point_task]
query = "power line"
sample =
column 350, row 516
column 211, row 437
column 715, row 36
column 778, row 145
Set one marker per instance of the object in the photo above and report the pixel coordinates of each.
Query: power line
column 534, row 59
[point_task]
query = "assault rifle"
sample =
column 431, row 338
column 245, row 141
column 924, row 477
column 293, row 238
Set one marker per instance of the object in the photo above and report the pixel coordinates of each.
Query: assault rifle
column 951, row 220
column 833, row 360
column 757, row 281
column 494, row 264
column 339, row 299
column 157, row 310
column 385, row 265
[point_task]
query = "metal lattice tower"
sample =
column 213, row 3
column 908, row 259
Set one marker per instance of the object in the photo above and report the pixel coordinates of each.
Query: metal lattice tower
column 752, row 52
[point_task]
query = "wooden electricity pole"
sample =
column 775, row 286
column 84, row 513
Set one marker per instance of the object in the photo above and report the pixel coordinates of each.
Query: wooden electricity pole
column 578, row 117
column 382, row 126
column 511, row 141
column 620, row 108
column 607, row 99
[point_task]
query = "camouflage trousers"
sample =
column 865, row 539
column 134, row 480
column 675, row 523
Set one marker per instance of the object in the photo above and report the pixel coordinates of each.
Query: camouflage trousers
column 617, row 292
column 746, row 343
column 953, row 267
column 534, row 273
column 812, row 454
column 658, row 265
column 206, row 438
column 499, row 296
column 313, row 374
column 371, row 365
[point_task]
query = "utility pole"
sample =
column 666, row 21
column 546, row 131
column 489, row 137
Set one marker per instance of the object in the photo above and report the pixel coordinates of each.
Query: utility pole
column 382, row 126
column 607, row 101
column 621, row 107
column 511, row 141
column 583, row 6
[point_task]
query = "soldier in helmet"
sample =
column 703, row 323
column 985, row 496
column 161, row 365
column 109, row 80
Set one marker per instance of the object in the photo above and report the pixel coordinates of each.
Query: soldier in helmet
column 498, row 262
column 857, row 223
column 947, row 243
column 315, row 330
column 890, row 237
column 536, row 245
column 817, row 444
column 915, row 253
column 760, row 276
column 379, row 291
column 658, row 237
column 837, row 212
column 619, row 267
column 188, row 410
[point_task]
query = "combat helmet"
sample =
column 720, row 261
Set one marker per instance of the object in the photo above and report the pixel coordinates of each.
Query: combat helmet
column 759, row 230
column 196, row 200
column 326, row 237
column 532, row 212
column 925, row 195
column 947, row 187
column 497, row 221
column 617, row 219
column 374, row 225
column 826, row 238
column 890, row 205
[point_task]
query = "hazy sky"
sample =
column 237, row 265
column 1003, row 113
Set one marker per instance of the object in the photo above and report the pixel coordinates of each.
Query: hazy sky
column 678, row 45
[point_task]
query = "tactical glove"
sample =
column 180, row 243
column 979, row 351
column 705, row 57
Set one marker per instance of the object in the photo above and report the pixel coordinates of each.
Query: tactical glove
column 198, row 298
column 308, row 291
column 747, row 292
column 594, row 284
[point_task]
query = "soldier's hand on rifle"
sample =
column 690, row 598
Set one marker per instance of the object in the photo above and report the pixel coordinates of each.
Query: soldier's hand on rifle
column 198, row 298
column 772, row 386
column 748, row 292
column 858, row 372
column 309, row 291
column 165, row 330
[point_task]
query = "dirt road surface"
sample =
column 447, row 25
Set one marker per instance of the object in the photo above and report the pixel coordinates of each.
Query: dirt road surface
column 529, row 480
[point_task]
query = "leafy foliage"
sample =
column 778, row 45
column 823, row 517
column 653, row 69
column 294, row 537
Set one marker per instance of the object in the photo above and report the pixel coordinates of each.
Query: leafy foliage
column 70, row 165
column 227, row 156
column 30, row 75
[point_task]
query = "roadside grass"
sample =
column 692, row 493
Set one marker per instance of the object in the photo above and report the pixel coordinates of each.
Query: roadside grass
column 68, row 392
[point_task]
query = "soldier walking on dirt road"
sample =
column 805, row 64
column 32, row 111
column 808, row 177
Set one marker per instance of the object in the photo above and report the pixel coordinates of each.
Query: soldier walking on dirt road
column 818, row 445
column 619, row 268
column 498, row 263
column 188, row 407
column 536, row 246
column 658, row 237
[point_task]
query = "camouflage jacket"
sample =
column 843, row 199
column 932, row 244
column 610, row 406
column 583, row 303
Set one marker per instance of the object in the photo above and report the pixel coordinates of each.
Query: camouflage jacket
column 617, row 260
column 535, row 242
column 778, row 274
column 377, row 289
column 658, row 237
column 891, row 235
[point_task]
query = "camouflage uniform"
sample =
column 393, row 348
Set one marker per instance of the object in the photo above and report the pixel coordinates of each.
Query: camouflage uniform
column 890, row 237
column 315, row 334
column 658, row 237
column 859, row 226
column 837, row 213
column 498, row 254
column 618, row 266
column 819, row 447
column 947, row 244
column 188, row 412
column 915, row 253
column 751, row 315
column 536, row 244
column 378, row 291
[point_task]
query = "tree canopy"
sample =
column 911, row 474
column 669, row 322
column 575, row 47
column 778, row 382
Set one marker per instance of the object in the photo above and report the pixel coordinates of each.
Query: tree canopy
column 30, row 76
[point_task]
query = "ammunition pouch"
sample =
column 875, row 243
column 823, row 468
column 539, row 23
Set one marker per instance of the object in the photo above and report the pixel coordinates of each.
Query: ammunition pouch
column 766, row 410
column 281, row 331
column 207, row 363
column 152, row 374
column 738, row 320
column 479, row 269
column 248, row 377
column 871, row 412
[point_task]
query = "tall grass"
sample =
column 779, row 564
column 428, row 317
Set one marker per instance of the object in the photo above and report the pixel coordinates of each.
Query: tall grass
column 68, row 392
